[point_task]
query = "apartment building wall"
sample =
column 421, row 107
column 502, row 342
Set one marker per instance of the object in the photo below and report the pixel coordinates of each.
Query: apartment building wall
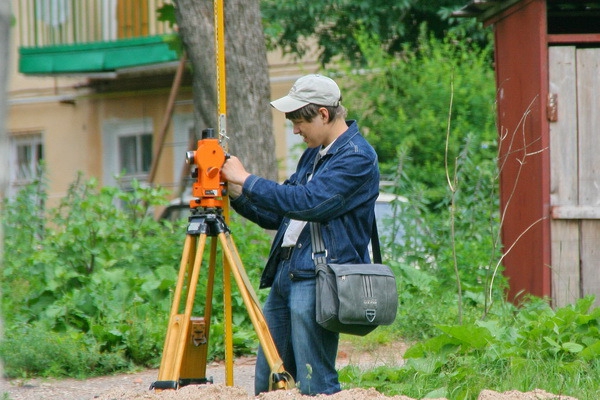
column 77, row 127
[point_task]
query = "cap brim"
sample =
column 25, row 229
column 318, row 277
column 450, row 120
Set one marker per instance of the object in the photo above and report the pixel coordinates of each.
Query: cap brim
column 287, row 104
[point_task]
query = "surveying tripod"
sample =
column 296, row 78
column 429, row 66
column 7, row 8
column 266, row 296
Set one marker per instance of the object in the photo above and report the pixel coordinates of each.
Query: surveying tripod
column 186, row 345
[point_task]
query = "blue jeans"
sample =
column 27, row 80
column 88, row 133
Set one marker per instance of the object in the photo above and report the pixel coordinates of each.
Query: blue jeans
column 307, row 350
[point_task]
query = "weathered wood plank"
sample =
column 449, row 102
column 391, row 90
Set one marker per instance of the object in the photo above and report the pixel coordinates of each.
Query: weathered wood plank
column 565, row 263
column 576, row 212
column 563, row 177
column 563, row 132
column 588, row 102
column 588, row 105
column 590, row 259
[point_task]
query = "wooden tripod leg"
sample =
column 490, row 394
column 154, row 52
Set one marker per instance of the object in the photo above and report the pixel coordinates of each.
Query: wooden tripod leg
column 167, row 373
column 193, row 365
column 280, row 379
column 178, row 334
column 228, row 320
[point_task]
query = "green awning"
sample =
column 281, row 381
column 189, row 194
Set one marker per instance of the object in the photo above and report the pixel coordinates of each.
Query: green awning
column 98, row 56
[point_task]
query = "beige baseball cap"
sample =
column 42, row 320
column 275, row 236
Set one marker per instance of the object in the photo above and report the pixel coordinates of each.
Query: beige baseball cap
column 314, row 88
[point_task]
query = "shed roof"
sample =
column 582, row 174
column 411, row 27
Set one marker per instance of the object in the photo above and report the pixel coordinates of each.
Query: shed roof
column 485, row 9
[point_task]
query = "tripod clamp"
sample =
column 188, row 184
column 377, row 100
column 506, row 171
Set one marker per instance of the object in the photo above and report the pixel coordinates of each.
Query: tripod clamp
column 208, row 221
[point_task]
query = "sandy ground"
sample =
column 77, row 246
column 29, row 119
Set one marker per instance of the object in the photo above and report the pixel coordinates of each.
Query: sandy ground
column 136, row 385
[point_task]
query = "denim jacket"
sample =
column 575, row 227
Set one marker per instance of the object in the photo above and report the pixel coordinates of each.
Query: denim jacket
column 341, row 196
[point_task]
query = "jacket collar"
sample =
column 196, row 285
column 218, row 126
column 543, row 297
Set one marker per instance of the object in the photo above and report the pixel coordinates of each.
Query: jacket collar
column 345, row 137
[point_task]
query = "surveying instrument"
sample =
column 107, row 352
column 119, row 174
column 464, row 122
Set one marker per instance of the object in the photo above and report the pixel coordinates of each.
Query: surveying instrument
column 185, row 351
column 186, row 344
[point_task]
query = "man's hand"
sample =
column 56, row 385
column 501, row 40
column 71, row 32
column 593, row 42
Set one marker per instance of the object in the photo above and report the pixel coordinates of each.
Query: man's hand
column 234, row 172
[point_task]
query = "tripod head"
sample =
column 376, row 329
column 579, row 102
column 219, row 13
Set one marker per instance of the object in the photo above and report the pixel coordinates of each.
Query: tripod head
column 208, row 189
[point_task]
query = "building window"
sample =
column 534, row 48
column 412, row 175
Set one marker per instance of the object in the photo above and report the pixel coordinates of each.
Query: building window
column 135, row 155
column 26, row 155
column 127, row 151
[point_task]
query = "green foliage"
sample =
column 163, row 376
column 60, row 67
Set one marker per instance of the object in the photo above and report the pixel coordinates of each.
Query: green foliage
column 288, row 24
column 403, row 105
column 96, row 274
column 166, row 13
column 521, row 349
column 423, row 260
column 33, row 350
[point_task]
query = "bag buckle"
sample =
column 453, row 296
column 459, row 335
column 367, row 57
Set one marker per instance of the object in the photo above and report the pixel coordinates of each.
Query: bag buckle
column 316, row 254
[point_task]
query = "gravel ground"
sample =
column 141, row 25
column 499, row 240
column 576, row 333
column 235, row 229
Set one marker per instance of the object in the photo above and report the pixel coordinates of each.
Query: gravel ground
column 136, row 385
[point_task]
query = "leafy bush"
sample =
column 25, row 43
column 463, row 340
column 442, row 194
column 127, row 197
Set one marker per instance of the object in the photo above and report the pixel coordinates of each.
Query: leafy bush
column 33, row 350
column 520, row 349
column 454, row 244
column 430, row 115
column 406, row 105
column 96, row 274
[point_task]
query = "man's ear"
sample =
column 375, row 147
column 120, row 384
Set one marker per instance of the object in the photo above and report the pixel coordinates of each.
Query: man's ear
column 324, row 114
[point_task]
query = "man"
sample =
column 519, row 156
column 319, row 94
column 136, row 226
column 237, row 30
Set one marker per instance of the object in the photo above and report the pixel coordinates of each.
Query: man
column 336, row 184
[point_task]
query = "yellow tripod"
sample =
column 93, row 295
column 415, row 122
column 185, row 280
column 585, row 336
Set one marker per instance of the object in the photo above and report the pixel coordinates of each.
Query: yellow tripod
column 186, row 344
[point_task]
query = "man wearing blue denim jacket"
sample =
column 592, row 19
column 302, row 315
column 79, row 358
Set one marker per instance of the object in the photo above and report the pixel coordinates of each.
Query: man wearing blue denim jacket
column 336, row 184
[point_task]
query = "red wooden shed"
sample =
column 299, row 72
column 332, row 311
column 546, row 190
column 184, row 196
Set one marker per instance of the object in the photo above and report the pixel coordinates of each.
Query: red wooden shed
column 547, row 60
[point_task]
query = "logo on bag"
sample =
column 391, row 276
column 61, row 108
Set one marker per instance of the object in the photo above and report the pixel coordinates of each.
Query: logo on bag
column 370, row 314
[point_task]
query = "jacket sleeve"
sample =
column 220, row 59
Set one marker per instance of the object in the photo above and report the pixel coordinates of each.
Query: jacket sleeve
column 341, row 183
column 263, row 218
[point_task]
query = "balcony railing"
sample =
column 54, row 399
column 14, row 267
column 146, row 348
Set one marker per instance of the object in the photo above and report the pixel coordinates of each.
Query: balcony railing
column 44, row 23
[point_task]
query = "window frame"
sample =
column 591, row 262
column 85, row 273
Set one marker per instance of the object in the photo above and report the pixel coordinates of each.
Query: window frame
column 113, row 131
column 34, row 140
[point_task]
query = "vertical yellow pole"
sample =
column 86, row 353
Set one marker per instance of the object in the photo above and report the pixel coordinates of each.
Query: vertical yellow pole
column 222, row 127
column 228, row 323
column 220, row 58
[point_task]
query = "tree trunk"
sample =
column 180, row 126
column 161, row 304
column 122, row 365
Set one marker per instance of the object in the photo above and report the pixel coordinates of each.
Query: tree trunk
column 249, row 123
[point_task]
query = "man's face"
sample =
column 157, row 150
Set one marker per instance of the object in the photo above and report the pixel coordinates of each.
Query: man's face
column 314, row 132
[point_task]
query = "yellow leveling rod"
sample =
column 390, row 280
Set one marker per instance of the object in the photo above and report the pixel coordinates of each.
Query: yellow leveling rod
column 222, row 127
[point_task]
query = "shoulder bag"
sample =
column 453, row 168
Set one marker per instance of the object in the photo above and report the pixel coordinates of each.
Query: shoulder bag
column 353, row 298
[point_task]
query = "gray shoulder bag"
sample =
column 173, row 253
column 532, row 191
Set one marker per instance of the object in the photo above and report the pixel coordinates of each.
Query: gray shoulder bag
column 353, row 298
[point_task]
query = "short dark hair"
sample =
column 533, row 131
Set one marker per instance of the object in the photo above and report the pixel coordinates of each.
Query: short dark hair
column 309, row 111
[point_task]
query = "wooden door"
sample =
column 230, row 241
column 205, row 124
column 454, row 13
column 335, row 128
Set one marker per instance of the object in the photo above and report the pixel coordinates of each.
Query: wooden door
column 575, row 172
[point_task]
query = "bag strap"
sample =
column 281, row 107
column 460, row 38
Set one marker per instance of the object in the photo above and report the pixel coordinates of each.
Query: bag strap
column 375, row 245
column 319, row 252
